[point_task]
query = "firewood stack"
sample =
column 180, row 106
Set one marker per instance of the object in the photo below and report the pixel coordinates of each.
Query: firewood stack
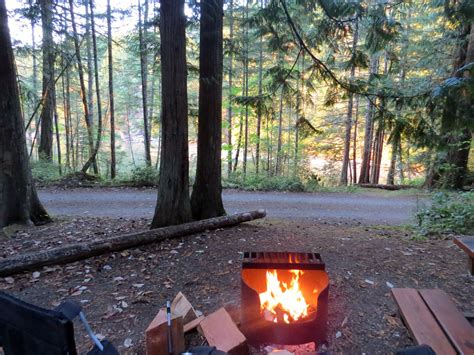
column 218, row 329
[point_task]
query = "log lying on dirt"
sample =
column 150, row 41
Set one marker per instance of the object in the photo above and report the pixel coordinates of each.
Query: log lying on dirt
column 385, row 187
column 74, row 252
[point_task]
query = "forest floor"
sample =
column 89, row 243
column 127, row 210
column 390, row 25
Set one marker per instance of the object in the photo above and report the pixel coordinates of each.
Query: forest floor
column 122, row 292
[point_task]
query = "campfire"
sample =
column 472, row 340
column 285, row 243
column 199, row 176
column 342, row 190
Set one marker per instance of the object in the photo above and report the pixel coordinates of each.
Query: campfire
column 284, row 298
column 283, row 303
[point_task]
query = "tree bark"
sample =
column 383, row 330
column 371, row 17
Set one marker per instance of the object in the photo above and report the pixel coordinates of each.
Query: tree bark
column 74, row 252
column 246, row 128
column 58, row 141
column 241, row 125
column 229, row 107
column 347, row 137
column 113, row 171
column 45, row 148
column 368, row 132
column 354, row 143
column 93, row 155
column 19, row 201
column 80, row 70
column 173, row 205
column 260, row 92
column 280, row 130
column 144, row 76
column 206, row 198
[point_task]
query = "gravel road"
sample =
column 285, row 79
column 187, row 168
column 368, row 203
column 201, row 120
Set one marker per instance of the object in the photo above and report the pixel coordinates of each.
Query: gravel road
column 365, row 207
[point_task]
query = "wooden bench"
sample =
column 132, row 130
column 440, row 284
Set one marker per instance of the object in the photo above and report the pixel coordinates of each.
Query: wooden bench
column 434, row 320
column 466, row 243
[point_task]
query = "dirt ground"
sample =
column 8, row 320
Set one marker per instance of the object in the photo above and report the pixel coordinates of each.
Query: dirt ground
column 122, row 292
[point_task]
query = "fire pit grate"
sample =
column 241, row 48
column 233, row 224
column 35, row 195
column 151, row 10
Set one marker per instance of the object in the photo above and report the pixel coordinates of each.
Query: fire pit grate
column 282, row 260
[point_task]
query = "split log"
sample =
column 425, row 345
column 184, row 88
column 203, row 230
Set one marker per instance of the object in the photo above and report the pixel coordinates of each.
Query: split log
column 386, row 187
column 182, row 307
column 74, row 252
column 193, row 324
column 156, row 335
column 220, row 331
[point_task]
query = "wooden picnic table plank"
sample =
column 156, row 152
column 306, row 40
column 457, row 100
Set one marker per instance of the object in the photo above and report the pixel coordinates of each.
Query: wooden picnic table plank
column 419, row 320
column 466, row 243
column 451, row 320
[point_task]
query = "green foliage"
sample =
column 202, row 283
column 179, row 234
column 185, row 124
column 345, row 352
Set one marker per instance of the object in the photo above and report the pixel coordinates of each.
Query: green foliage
column 45, row 171
column 447, row 213
column 262, row 182
column 144, row 176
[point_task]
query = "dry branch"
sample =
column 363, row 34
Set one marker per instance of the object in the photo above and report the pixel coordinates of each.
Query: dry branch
column 74, row 252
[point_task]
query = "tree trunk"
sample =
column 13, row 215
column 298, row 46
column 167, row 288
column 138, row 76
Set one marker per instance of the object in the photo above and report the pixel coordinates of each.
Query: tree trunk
column 144, row 75
column 129, row 133
column 113, row 171
column 260, row 92
column 377, row 152
column 66, row 113
column 241, row 125
column 80, row 70
column 206, row 198
column 246, row 136
column 74, row 252
column 173, row 205
column 354, row 143
column 19, row 201
column 45, row 149
column 280, row 129
column 93, row 156
column 380, row 135
column 90, row 76
column 368, row 131
column 393, row 160
column 58, row 141
column 347, row 137
column 229, row 107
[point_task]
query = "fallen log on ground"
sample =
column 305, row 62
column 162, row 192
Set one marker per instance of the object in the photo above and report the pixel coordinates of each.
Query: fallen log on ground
column 385, row 187
column 74, row 252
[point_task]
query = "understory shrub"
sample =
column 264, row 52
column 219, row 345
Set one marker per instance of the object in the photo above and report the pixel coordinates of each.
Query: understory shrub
column 144, row 176
column 44, row 171
column 263, row 182
column 447, row 213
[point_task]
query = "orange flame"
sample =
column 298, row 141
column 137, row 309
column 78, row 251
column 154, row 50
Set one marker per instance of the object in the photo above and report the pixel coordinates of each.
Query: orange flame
column 280, row 302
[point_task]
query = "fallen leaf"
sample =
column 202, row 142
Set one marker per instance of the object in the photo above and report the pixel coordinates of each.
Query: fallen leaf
column 9, row 280
column 127, row 343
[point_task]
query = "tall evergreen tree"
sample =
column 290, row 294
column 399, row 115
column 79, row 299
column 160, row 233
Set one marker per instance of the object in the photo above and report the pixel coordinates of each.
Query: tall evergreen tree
column 173, row 205
column 206, row 198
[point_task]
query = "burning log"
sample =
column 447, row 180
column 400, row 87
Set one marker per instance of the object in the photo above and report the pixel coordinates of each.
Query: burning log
column 74, row 252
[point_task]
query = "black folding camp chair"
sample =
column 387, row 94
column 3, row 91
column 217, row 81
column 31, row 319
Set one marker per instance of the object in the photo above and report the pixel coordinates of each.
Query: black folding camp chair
column 27, row 329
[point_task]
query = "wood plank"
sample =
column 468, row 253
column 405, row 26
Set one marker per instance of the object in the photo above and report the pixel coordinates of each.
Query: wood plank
column 466, row 243
column 220, row 331
column 419, row 320
column 451, row 320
